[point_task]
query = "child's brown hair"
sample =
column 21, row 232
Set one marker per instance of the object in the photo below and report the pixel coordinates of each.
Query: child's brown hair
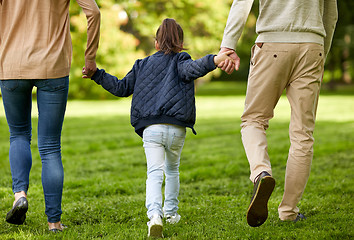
column 169, row 36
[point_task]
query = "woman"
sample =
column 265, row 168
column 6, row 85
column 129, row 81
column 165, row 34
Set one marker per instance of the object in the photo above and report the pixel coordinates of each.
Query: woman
column 35, row 51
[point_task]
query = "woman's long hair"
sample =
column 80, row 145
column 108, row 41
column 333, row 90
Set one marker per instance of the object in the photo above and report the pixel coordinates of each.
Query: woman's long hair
column 169, row 36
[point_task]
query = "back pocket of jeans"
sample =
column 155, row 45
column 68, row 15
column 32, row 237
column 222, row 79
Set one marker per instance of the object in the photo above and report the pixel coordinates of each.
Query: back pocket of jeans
column 55, row 84
column 152, row 137
column 177, row 142
column 9, row 85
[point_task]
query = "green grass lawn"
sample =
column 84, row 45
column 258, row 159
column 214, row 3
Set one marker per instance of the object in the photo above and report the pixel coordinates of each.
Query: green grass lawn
column 105, row 173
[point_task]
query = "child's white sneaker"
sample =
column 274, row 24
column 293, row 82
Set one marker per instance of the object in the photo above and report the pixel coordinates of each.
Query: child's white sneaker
column 155, row 226
column 172, row 219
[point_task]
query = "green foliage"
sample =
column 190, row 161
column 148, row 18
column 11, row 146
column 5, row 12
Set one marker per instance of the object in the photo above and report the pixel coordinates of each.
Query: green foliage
column 117, row 51
column 340, row 59
column 202, row 24
column 105, row 172
column 128, row 29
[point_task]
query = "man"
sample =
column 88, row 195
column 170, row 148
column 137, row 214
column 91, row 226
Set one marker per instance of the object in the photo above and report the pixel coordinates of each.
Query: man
column 35, row 51
column 293, row 40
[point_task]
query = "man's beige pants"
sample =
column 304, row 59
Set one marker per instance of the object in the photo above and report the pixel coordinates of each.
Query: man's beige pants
column 298, row 68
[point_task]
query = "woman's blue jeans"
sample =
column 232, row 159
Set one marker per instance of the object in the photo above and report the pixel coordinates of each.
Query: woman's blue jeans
column 52, row 97
column 163, row 145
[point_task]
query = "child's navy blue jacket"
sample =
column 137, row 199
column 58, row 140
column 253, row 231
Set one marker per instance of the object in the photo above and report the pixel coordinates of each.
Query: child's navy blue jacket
column 162, row 86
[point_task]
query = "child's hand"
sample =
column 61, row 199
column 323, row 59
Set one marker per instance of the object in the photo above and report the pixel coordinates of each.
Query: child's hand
column 86, row 73
column 225, row 65
column 224, row 59
column 89, row 69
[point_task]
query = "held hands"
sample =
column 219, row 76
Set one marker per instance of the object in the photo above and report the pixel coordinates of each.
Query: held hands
column 231, row 63
column 222, row 56
column 89, row 69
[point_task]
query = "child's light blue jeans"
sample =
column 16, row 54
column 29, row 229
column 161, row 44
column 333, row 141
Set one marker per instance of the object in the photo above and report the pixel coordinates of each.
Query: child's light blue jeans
column 163, row 145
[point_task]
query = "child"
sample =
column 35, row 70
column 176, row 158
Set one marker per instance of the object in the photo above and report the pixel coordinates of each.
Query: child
column 163, row 105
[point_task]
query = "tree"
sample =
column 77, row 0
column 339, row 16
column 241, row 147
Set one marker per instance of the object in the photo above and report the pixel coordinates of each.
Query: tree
column 340, row 59
column 128, row 29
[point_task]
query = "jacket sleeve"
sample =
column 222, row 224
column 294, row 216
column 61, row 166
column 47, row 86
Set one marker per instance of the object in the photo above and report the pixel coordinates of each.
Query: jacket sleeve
column 189, row 70
column 330, row 17
column 120, row 88
column 236, row 21
column 93, row 16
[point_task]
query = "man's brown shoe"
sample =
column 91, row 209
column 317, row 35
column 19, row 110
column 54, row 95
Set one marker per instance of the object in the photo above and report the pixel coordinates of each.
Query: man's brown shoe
column 257, row 212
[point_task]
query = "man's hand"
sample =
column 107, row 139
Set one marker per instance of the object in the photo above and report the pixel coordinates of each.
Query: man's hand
column 218, row 59
column 224, row 59
column 226, row 65
column 89, row 69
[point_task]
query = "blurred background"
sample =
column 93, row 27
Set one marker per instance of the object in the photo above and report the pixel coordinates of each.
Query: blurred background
column 128, row 28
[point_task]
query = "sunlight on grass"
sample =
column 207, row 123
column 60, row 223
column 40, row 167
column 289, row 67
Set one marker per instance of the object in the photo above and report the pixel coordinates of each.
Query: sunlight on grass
column 105, row 174
column 78, row 108
column 330, row 108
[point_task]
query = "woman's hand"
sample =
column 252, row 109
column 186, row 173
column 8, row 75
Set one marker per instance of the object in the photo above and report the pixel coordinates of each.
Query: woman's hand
column 89, row 69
